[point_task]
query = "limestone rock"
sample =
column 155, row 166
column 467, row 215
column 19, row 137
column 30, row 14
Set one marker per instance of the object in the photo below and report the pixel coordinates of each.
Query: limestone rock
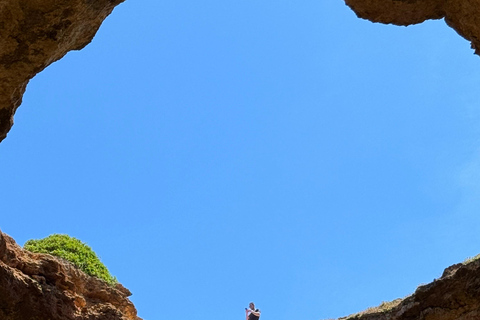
column 455, row 296
column 44, row 287
column 461, row 15
column 35, row 33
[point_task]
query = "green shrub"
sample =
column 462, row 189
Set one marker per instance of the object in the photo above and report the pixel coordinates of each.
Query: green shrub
column 73, row 250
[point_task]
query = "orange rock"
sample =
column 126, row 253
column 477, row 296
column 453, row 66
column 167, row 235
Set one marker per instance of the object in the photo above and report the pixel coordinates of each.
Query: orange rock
column 44, row 287
column 461, row 15
column 454, row 296
column 35, row 33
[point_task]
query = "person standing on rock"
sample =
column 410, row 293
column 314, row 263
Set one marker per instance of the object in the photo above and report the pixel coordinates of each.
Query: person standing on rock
column 251, row 313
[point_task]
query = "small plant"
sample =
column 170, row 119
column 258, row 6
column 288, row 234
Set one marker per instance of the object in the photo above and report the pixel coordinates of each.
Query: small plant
column 471, row 259
column 385, row 306
column 73, row 250
column 388, row 305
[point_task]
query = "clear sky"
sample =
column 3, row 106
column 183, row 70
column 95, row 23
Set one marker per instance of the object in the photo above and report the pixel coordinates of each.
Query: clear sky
column 215, row 153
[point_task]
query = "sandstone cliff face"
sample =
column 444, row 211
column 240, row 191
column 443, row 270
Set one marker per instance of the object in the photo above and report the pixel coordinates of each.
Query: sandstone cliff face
column 43, row 287
column 455, row 296
column 35, row 33
column 462, row 15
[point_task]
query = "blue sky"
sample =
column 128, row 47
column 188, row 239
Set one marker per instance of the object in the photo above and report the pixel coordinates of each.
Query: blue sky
column 286, row 153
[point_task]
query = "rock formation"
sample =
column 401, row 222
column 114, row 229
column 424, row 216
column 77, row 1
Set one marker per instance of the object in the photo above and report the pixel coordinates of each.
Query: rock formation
column 455, row 296
column 35, row 33
column 461, row 15
column 37, row 286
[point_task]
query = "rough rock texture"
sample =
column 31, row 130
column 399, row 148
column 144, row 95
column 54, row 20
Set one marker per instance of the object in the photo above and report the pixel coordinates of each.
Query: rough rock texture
column 461, row 15
column 42, row 287
column 35, row 33
column 455, row 296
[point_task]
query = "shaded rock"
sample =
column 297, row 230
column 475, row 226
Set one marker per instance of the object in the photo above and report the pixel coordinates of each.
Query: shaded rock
column 44, row 287
column 35, row 33
column 461, row 15
column 455, row 296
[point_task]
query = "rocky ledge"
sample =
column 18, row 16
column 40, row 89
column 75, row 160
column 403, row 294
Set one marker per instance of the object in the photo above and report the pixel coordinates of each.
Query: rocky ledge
column 461, row 15
column 43, row 287
column 455, row 296
column 35, row 33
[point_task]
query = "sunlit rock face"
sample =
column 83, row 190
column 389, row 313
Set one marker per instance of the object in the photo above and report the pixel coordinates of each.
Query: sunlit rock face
column 42, row 287
column 461, row 15
column 455, row 296
column 35, row 33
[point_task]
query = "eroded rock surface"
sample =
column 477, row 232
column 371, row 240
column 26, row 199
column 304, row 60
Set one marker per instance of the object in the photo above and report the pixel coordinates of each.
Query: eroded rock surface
column 42, row 287
column 461, row 15
column 35, row 33
column 455, row 296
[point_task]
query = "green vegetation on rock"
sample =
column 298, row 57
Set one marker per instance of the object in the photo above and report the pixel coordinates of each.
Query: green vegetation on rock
column 471, row 259
column 73, row 250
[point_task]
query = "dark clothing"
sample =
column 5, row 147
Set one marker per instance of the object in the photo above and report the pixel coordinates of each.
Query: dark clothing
column 251, row 316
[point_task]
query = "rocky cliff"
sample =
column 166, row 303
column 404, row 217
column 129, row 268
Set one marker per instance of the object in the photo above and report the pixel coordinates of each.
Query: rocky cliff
column 462, row 15
column 35, row 33
column 455, row 296
column 43, row 287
